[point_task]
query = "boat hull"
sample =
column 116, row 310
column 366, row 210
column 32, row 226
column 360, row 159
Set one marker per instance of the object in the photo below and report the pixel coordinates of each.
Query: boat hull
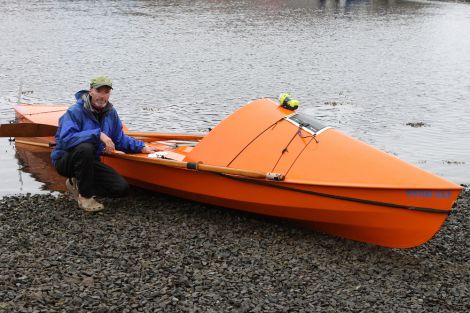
column 371, row 223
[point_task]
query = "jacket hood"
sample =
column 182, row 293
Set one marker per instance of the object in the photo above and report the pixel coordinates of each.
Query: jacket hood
column 79, row 94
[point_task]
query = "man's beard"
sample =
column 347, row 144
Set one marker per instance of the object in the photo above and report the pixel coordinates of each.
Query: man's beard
column 99, row 104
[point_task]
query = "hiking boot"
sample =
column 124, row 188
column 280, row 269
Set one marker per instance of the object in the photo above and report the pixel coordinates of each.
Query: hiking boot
column 72, row 187
column 89, row 204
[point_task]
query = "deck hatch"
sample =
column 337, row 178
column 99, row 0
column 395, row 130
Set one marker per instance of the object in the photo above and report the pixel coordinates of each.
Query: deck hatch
column 306, row 122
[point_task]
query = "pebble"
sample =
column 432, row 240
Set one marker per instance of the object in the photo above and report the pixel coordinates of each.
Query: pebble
column 154, row 253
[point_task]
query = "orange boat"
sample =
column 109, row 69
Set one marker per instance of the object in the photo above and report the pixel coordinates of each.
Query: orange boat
column 270, row 160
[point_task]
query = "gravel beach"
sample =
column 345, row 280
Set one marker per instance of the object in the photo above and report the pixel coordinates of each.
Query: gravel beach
column 155, row 253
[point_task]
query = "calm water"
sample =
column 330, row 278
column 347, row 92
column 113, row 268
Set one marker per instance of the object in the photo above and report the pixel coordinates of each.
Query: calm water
column 365, row 67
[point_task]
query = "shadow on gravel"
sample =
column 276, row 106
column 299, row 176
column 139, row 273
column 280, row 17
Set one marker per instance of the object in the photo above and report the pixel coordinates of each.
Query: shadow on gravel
column 151, row 253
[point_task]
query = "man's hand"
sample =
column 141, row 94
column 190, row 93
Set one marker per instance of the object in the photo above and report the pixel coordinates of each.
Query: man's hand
column 109, row 144
column 149, row 149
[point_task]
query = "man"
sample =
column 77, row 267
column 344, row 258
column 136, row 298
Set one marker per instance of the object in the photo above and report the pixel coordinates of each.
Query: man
column 90, row 128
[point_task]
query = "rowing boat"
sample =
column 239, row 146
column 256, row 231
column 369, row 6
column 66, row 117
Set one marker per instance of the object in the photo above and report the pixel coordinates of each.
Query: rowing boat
column 270, row 160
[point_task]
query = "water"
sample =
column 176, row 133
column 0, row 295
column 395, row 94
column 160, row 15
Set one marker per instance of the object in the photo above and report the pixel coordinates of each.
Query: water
column 365, row 67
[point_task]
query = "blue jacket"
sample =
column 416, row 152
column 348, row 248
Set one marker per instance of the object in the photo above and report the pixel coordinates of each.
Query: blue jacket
column 79, row 125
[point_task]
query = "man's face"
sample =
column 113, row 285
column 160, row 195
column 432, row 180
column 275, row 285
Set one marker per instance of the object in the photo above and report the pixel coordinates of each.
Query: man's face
column 100, row 96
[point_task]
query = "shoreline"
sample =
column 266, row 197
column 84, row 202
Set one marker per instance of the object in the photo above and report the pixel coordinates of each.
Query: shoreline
column 151, row 252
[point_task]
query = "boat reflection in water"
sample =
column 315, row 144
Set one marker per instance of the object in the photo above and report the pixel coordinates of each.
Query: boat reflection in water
column 37, row 162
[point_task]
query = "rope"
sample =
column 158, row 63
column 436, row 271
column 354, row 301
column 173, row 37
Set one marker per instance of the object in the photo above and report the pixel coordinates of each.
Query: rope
column 297, row 133
column 270, row 126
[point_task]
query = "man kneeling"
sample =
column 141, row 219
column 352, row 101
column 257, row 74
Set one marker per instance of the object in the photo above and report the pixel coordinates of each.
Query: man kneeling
column 90, row 128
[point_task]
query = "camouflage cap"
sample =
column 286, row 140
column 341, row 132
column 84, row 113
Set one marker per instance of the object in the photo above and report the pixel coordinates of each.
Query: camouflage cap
column 101, row 81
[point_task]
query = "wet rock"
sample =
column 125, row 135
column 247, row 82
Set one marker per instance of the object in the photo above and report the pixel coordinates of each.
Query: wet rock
column 151, row 253
column 416, row 124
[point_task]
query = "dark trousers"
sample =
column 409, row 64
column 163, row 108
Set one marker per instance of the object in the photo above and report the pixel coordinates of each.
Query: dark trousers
column 94, row 178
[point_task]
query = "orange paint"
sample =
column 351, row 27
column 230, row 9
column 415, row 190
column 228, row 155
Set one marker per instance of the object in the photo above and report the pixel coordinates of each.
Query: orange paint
column 333, row 182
